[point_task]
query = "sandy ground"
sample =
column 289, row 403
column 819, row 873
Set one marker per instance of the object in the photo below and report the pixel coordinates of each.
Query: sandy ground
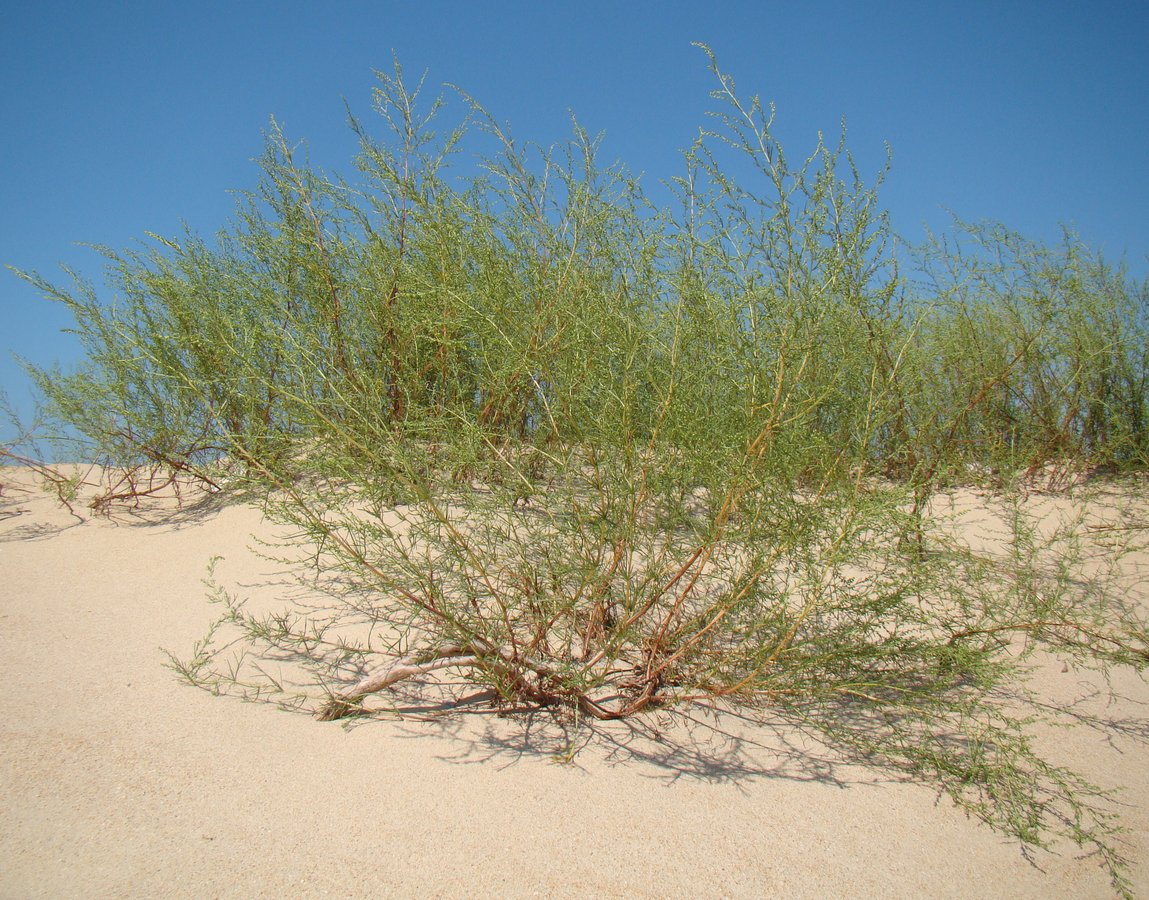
column 116, row 780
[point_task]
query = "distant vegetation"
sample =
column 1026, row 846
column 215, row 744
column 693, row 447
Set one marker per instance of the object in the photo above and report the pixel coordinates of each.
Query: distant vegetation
column 605, row 456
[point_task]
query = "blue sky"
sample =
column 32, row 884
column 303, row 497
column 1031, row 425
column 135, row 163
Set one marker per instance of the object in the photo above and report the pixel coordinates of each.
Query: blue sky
column 129, row 117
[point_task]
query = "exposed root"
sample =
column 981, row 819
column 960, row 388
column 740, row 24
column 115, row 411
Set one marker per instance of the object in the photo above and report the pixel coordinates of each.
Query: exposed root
column 510, row 664
column 347, row 702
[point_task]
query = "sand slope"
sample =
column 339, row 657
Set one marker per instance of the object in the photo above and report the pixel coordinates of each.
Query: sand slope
column 116, row 780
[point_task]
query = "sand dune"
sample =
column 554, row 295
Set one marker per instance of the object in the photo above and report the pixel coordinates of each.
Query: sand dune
column 119, row 781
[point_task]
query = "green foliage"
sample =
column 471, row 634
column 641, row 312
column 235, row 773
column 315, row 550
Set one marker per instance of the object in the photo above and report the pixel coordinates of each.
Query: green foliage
column 606, row 457
column 1056, row 343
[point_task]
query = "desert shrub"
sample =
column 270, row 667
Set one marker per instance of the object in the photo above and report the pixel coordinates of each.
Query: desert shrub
column 603, row 457
column 1057, row 336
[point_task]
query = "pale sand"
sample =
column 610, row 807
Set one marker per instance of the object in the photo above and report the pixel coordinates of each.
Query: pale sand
column 119, row 781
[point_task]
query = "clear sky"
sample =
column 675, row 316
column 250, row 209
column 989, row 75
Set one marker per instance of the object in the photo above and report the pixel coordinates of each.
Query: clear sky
column 121, row 118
